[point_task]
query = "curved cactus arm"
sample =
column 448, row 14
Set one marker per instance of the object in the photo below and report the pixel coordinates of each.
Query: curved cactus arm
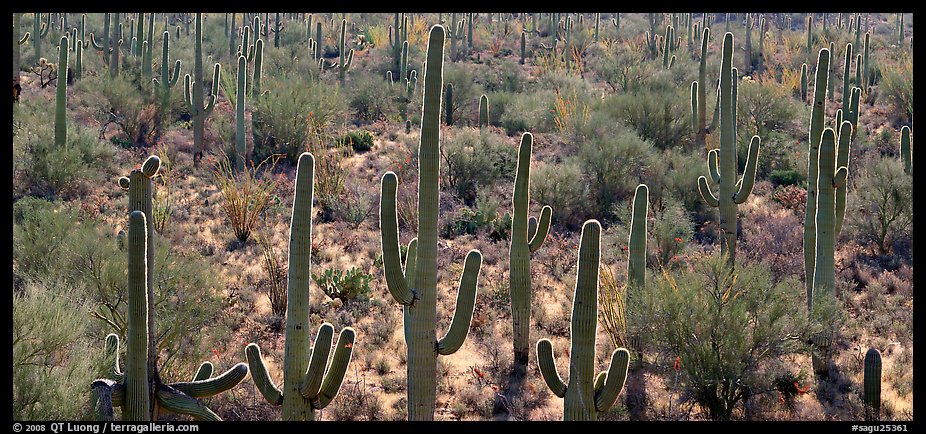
column 540, row 233
column 112, row 350
column 466, row 301
column 749, row 175
column 204, row 371
column 175, row 75
column 531, row 227
column 389, row 231
column 188, row 93
column 46, row 26
column 101, row 399
column 613, row 381
column 178, row 402
column 335, row 375
column 315, row 373
column 706, row 192
column 411, row 258
column 716, row 119
column 712, row 165
column 842, row 161
column 548, row 368
column 261, row 377
column 216, row 74
column 214, row 385
column 840, row 177
column 350, row 59
column 25, row 38
column 95, row 45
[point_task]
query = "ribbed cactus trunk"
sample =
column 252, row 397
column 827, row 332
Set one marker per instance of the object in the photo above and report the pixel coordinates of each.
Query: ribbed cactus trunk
column 17, row 41
column 483, row 111
column 817, row 113
column 906, row 150
column 137, row 388
column 636, row 265
column 722, row 165
column 702, row 89
column 241, row 149
column 140, row 199
column 846, row 93
column 39, row 31
column 61, row 96
column 448, row 111
column 586, row 395
column 168, row 79
column 416, row 287
column 526, row 238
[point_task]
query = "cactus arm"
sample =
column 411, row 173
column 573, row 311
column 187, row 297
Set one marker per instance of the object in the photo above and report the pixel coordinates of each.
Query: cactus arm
column 93, row 42
column 25, row 38
column 101, row 399
column 411, row 258
column 178, row 402
column 712, row 165
column 315, row 373
column 112, row 350
column 539, row 234
column 749, row 176
column 613, row 381
column 335, row 375
column 389, row 230
column 188, row 94
column 214, row 385
column 709, row 197
column 872, row 384
column 531, row 227
column 842, row 161
column 175, row 76
column 204, row 371
column 216, row 73
column 261, row 377
column 636, row 243
column 466, row 301
column 839, row 178
column 694, row 106
column 548, row 368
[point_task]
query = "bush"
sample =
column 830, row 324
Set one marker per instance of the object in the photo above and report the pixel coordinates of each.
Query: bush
column 661, row 118
column 485, row 216
column 123, row 103
column 897, row 85
column 276, row 277
column 762, row 106
column 780, row 178
column 475, row 160
column 529, row 111
column 884, row 200
column 563, row 187
column 349, row 286
column 371, row 97
column 360, row 141
column 245, row 195
column 700, row 314
column 613, row 161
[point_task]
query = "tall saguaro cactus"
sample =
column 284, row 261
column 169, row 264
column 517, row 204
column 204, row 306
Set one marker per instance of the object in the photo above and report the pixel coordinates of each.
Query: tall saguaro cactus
column 139, row 390
column 39, row 32
column 526, row 237
column 483, row 111
column 586, row 395
column 722, row 163
column 415, row 288
column 241, row 150
column 906, row 150
column 168, row 79
column 193, row 91
column 61, row 96
column 817, row 113
column 307, row 385
column 17, row 41
column 699, row 94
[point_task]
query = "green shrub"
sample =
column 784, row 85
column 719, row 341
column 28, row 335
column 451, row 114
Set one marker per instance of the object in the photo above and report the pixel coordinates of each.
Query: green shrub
column 786, row 177
column 349, row 286
column 122, row 102
column 661, row 118
column 883, row 207
column 371, row 98
column 613, row 159
column 360, row 141
column 897, row 85
column 474, row 160
column 761, row 107
column 522, row 112
column 563, row 187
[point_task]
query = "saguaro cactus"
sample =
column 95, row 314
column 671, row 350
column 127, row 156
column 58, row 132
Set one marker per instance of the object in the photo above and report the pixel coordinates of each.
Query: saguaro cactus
column 586, row 395
column 61, row 95
column 872, row 386
column 307, row 385
column 526, row 237
column 415, row 288
column 168, row 79
column 346, row 59
column 817, row 113
column 906, row 150
column 699, row 92
column 193, row 91
column 39, row 32
column 722, row 163
column 17, row 41
column 448, row 110
column 139, row 390
column 241, row 149
column 483, row 111
column 846, row 95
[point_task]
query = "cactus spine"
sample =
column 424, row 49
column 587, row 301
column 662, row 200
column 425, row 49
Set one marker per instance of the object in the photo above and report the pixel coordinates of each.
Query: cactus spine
column 193, row 91
column 817, row 113
column 416, row 287
column 61, row 96
column 906, row 150
column 483, row 111
column 872, row 385
column 307, row 385
column 722, row 166
column 526, row 237
column 139, row 389
column 586, row 395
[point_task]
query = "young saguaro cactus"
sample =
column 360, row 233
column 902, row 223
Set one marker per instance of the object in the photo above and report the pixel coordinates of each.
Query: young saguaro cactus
column 872, row 385
column 61, row 96
column 722, row 163
column 415, row 288
column 483, row 111
column 526, row 237
column 346, row 59
column 168, row 79
column 193, row 91
column 586, row 395
column 906, row 150
column 448, row 111
column 307, row 385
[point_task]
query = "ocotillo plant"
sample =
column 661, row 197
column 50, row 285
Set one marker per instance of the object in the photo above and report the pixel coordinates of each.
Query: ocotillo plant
column 168, row 79
column 818, row 111
column 241, row 150
column 586, row 395
column 307, row 385
column 871, row 394
column 699, row 92
column 483, row 111
column 722, row 163
column 39, row 32
column 193, row 92
column 526, row 237
column 415, row 288
column 61, row 96
column 906, row 150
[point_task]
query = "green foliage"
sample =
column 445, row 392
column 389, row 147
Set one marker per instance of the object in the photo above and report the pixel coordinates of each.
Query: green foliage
column 763, row 106
column 884, row 201
column 370, row 98
column 346, row 286
column 897, row 84
column 473, row 160
column 613, row 161
column 360, row 140
column 786, row 177
column 700, row 314
column 563, row 187
column 662, row 118
column 523, row 112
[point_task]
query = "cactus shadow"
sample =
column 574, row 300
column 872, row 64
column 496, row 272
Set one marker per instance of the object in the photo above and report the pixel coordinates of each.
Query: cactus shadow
column 834, row 392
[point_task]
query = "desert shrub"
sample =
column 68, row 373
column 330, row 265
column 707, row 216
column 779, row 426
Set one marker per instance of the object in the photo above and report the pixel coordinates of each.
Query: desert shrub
column 884, row 201
column 897, row 84
column 528, row 111
column 621, row 69
column 285, row 116
column 676, row 173
column 41, row 230
column 484, row 217
column 661, row 118
column 786, row 177
column 563, row 187
column 245, row 194
column 360, row 140
column 474, row 160
column 762, row 106
column 791, row 197
column 466, row 92
column 275, row 276
column 129, row 107
column 700, row 314
column 670, row 231
column 613, row 161
column 371, row 98
column 357, row 402
column 353, row 207
column 54, row 358
column 345, row 286
column 769, row 237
